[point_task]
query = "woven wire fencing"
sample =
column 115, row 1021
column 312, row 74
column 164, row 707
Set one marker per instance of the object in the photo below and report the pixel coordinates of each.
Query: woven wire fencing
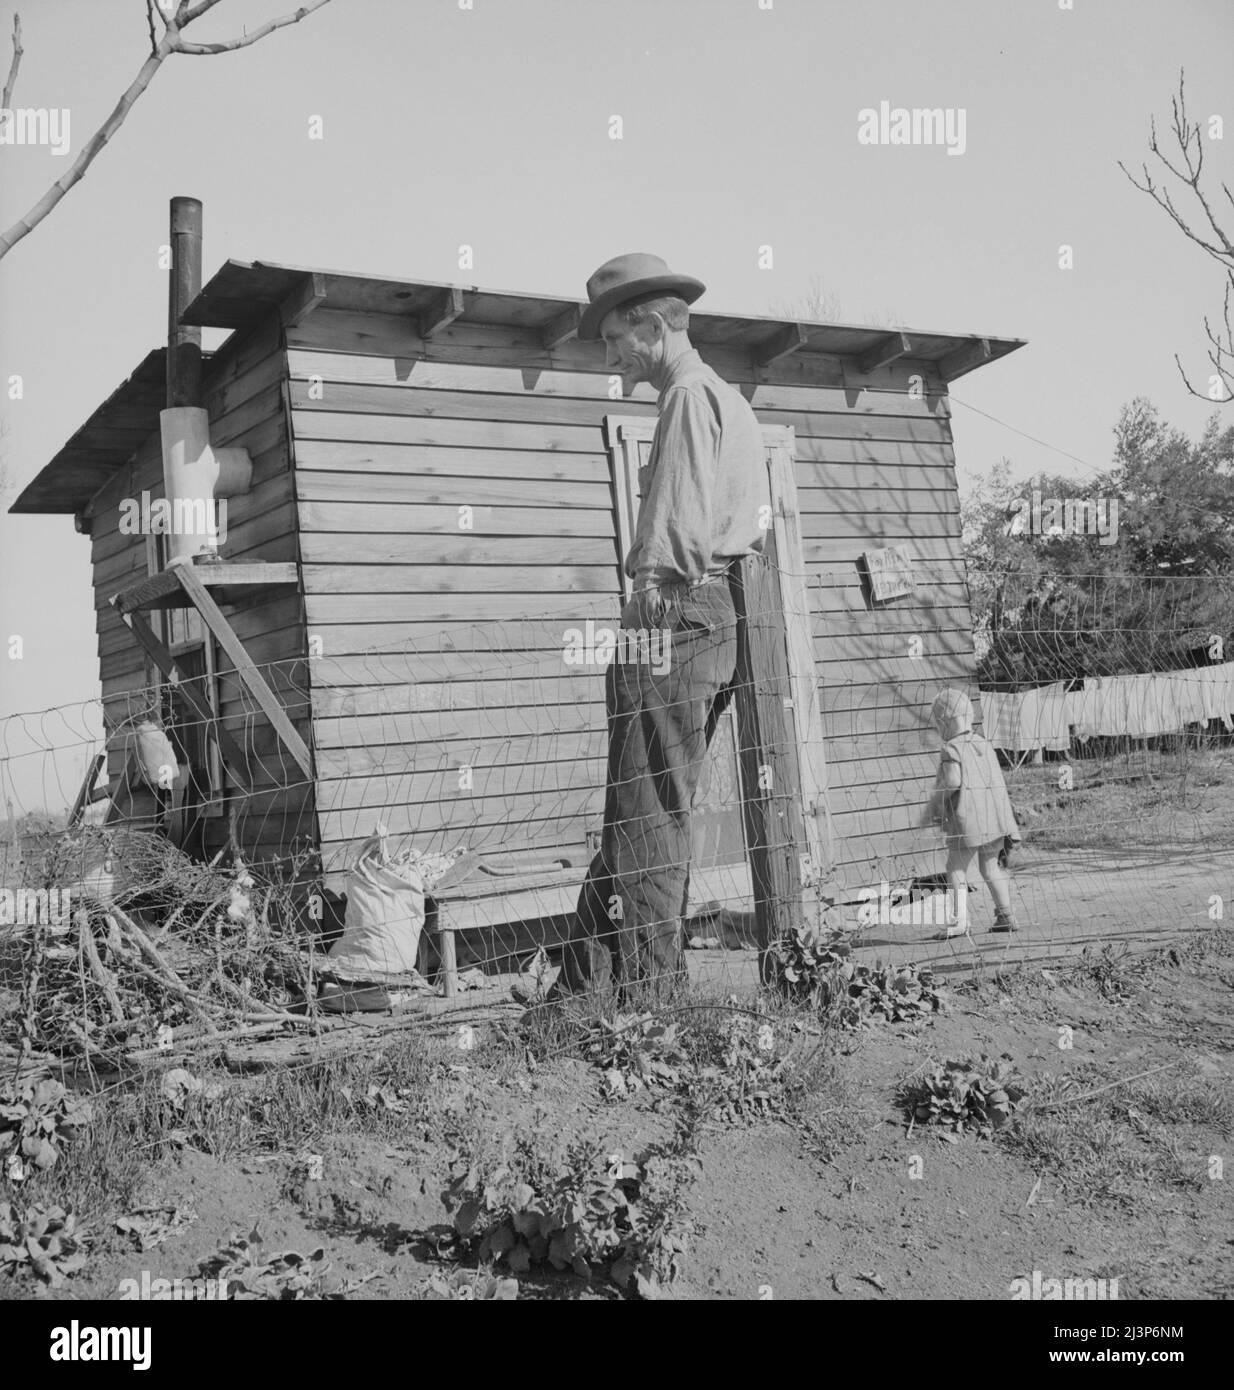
column 476, row 768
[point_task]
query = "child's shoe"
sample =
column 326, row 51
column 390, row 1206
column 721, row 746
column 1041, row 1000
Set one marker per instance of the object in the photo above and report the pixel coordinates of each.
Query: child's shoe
column 1003, row 921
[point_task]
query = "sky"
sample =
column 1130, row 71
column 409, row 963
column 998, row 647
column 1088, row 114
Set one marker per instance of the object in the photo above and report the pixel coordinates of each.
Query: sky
column 491, row 126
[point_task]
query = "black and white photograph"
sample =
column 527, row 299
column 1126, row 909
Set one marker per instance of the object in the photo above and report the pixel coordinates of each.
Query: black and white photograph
column 616, row 666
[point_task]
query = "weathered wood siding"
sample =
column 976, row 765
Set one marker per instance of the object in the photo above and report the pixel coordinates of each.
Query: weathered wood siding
column 394, row 433
column 244, row 389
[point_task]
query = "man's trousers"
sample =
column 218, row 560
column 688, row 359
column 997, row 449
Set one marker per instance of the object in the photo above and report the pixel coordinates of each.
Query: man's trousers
column 629, row 928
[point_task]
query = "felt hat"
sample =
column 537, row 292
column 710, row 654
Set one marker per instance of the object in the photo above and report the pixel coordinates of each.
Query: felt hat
column 628, row 277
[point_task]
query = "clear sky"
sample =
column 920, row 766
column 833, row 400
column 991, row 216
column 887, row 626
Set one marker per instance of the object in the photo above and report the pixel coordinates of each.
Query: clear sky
column 490, row 127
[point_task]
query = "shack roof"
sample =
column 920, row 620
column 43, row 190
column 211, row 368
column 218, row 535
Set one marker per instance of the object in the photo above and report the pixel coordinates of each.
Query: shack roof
column 241, row 293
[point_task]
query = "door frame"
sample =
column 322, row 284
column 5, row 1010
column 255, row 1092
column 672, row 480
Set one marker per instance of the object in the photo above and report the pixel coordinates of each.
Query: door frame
column 622, row 435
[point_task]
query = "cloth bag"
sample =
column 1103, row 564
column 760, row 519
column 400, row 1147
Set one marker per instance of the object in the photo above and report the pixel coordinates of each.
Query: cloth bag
column 384, row 916
column 385, row 910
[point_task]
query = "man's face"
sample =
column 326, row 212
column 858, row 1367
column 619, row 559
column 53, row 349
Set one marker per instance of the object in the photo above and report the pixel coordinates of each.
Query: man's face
column 633, row 352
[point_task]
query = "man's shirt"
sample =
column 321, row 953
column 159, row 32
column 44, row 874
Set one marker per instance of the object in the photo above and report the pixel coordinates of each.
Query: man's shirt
column 704, row 483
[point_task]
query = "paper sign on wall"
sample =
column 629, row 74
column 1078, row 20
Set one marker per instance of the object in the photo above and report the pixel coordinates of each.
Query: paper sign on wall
column 891, row 572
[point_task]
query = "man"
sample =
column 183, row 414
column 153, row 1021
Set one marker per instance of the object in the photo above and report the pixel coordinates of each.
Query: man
column 702, row 492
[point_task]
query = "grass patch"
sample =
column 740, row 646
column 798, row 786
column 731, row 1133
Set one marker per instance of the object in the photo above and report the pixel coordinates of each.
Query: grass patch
column 1103, row 1148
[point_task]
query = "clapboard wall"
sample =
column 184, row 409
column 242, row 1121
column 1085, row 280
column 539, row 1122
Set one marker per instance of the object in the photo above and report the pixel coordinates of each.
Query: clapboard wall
column 394, row 433
column 244, row 390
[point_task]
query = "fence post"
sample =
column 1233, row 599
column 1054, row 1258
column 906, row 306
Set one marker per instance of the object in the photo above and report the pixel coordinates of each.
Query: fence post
column 770, row 777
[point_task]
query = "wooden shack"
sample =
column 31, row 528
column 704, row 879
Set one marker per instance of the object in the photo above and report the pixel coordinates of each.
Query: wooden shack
column 442, row 484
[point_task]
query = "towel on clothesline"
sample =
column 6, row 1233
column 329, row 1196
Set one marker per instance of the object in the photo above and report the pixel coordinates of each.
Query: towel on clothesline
column 1164, row 702
column 1028, row 719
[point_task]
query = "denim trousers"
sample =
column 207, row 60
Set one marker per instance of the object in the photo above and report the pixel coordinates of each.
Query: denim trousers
column 628, row 935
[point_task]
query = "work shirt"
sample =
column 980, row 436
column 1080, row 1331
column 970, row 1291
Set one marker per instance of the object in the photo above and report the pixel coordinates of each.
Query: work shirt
column 704, row 484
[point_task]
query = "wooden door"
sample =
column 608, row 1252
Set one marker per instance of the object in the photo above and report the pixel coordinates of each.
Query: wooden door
column 718, row 826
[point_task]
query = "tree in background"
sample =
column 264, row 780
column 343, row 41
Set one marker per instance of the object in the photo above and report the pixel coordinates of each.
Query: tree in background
column 1199, row 225
column 821, row 305
column 1049, row 608
column 174, row 18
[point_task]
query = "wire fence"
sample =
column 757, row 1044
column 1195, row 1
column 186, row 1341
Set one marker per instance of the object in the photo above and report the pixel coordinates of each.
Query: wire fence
column 635, row 807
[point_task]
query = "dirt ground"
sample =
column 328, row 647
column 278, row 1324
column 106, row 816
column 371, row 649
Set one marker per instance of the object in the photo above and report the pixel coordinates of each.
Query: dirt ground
column 1120, row 984
column 842, row 1200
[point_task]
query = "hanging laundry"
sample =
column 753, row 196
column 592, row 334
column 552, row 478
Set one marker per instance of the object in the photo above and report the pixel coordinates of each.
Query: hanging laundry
column 1027, row 719
column 1217, row 691
column 1164, row 702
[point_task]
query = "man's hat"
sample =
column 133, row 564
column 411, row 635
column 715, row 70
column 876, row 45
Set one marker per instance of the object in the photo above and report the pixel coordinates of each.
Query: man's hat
column 628, row 277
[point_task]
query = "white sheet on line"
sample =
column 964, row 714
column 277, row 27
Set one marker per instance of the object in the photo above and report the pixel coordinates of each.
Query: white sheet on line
column 1163, row 702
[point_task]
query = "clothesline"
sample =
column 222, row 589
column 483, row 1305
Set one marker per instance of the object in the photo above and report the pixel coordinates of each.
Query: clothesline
column 1164, row 702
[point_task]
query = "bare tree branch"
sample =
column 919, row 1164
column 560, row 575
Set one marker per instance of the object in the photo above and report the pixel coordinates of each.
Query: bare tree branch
column 1191, row 144
column 1186, row 134
column 6, row 101
column 25, row 225
column 230, row 45
column 1221, row 355
column 171, row 42
column 187, row 13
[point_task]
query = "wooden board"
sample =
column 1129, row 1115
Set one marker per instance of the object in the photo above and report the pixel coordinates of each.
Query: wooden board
column 548, row 495
column 353, row 557
column 396, row 336
column 390, row 690
column 538, row 753
column 443, row 520
column 429, row 461
column 305, row 365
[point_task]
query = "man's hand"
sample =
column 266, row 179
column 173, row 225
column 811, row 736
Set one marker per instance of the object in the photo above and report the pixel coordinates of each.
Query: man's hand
column 645, row 609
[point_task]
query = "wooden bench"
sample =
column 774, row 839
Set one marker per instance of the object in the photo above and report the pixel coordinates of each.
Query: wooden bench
column 497, row 889
column 504, row 886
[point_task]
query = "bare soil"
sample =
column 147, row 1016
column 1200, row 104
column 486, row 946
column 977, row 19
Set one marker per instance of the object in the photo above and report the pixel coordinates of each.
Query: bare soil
column 843, row 1201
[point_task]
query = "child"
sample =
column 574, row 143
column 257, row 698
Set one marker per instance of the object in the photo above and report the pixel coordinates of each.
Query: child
column 970, row 802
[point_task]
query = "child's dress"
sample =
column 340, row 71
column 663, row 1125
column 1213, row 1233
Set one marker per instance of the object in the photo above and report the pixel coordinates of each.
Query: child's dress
column 981, row 810
column 976, row 816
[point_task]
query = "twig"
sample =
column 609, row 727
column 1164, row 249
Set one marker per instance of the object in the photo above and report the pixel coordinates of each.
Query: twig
column 161, row 972
column 169, row 923
column 171, row 42
column 6, row 101
column 230, row 45
column 1109, row 1086
column 247, row 1000
column 255, row 1027
column 25, row 225
column 91, row 951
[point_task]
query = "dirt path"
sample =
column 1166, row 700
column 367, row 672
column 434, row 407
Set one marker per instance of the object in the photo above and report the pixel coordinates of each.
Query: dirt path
column 965, row 1228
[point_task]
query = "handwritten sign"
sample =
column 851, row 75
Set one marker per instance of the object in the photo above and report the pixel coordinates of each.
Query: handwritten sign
column 891, row 572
